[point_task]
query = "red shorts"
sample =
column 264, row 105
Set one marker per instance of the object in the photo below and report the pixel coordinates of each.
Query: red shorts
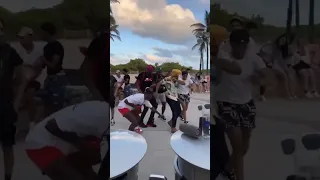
column 124, row 111
column 45, row 156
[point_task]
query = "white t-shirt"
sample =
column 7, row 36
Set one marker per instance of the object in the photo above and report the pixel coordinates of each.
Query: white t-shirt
column 119, row 79
column 237, row 89
column 136, row 99
column 188, row 77
column 31, row 58
column 184, row 89
column 90, row 118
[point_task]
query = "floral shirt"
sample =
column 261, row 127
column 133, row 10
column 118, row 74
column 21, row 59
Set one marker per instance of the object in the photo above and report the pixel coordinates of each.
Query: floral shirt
column 172, row 89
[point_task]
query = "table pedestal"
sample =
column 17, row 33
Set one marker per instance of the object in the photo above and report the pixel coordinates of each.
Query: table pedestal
column 131, row 174
column 187, row 171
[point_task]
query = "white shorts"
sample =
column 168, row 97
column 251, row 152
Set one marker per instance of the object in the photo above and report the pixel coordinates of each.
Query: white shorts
column 161, row 98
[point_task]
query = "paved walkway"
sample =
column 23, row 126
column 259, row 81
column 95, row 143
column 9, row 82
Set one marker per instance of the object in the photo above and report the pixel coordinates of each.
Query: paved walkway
column 159, row 157
column 264, row 161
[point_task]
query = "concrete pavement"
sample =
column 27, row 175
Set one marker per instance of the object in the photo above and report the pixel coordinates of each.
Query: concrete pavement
column 276, row 119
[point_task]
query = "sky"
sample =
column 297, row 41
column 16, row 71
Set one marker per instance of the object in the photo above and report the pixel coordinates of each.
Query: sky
column 274, row 11
column 157, row 31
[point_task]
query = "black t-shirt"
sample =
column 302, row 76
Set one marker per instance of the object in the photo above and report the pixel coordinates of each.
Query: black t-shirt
column 49, row 51
column 9, row 60
column 146, row 80
column 126, row 79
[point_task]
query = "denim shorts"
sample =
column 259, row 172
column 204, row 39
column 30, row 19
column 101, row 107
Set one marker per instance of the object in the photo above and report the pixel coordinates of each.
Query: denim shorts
column 54, row 90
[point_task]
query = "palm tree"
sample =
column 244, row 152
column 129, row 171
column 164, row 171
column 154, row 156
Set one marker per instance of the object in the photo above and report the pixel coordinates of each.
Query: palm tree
column 311, row 21
column 202, row 34
column 114, row 32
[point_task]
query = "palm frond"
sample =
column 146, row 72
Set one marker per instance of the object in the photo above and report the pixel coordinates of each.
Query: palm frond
column 198, row 25
column 112, row 36
column 114, row 1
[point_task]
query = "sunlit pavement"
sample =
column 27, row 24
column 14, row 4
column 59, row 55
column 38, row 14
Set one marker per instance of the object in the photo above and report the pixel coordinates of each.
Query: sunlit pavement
column 264, row 161
column 159, row 157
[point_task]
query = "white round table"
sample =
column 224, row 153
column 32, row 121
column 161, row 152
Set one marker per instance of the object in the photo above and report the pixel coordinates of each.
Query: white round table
column 127, row 149
column 193, row 156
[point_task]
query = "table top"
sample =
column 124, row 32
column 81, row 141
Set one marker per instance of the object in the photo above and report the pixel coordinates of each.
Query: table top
column 127, row 149
column 195, row 151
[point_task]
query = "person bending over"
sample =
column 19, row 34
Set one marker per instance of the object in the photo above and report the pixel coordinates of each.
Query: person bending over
column 130, row 107
column 66, row 144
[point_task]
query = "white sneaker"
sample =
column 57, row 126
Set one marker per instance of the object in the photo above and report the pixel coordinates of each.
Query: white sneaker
column 308, row 95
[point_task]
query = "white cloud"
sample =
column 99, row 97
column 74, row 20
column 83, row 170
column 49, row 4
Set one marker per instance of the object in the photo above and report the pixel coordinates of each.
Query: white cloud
column 155, row 19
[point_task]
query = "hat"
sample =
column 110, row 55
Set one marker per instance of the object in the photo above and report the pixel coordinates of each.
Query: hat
column 239, row 36
column 24, row 31
column 118, row 71
column 149, row 68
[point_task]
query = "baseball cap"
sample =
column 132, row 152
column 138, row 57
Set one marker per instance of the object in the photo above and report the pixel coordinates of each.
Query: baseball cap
column 239, row 36
column 25, row 31
column 118, row 71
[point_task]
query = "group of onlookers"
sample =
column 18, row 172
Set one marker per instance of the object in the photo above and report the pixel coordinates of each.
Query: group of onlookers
column 19, row 69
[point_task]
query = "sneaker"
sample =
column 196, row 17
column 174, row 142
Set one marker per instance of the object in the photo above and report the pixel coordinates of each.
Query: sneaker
column 308, row 95
column 138, row 130
column 143, row 125
column 228, row 175
column 151, row 125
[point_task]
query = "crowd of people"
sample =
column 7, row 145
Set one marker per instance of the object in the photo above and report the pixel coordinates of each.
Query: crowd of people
column 152, row 87
column 239, row 65
column 62, row 141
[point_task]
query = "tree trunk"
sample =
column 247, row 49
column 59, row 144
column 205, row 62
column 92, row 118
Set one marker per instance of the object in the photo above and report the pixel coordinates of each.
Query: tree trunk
column 207, row 58
column 311, row 21
column 297, row 16
column 289, row 16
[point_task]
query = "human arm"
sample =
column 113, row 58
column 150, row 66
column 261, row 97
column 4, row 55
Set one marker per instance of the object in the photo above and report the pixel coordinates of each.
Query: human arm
column 87, row 68
column 138, row 82
column 68, row 136
column 129, row 104
column 55, row 60
column 221, row 61
column 181, row 81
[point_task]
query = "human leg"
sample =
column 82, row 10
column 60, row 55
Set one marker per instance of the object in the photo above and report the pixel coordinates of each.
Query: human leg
column 8, row 117
column 154, row 104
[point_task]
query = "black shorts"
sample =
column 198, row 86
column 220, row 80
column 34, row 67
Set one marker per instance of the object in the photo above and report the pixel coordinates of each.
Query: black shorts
column 8, row 118
column 301, row 66
column 238, row 115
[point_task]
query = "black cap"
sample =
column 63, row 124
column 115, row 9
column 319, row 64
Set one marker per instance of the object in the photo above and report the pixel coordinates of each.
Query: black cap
column 184, row 73
column 240, row 36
